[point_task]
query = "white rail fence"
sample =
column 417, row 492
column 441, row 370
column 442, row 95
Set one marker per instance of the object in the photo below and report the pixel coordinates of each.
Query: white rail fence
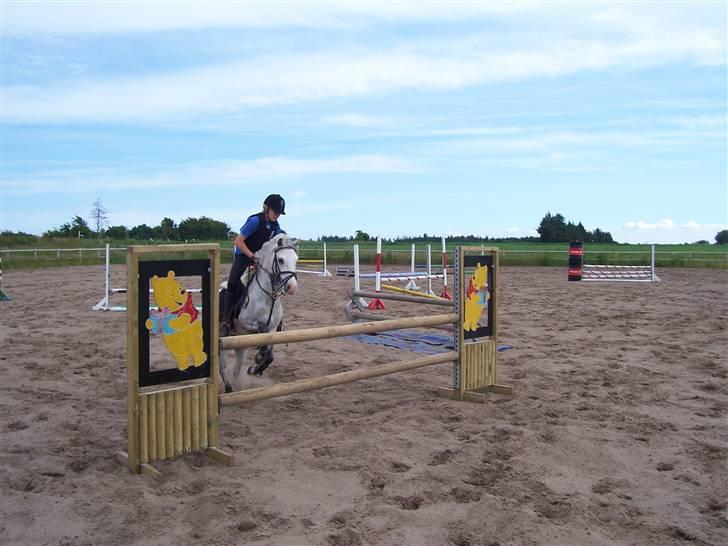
column 664, row 258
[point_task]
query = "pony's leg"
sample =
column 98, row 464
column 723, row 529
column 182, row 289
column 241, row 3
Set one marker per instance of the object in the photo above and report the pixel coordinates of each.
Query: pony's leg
column 263, row 359
column 239, row 359
column 226, row 379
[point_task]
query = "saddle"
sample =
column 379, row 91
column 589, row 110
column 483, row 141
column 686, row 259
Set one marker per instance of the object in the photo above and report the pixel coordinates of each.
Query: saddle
column 242, row 300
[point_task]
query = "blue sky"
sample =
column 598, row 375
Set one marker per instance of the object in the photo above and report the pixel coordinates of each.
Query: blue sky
column 393, row 118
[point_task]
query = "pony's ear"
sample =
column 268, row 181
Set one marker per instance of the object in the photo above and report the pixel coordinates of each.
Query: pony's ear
column 280, row 241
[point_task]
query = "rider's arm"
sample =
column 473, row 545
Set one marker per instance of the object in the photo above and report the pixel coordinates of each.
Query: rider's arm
column 250, row 227
column 240, row 243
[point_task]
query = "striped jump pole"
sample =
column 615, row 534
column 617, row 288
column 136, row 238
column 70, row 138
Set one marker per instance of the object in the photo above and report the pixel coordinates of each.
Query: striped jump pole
column 444, row 294
column 376, row 303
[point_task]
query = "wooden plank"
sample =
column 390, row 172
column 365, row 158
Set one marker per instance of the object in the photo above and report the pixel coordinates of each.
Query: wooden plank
column 177, row 395
column 161, row 427
column 402, row 297
column 176, row 248
column 328, row 332
column 149, row 470
column 132, row 360
column 152, row 429
column 314, row 383
column 195, row 414
column 465, row 396
column 500, row 389
column 222, row 457
column 203, row 416
column 169, row 422
column 187, row 421
column 143, row 430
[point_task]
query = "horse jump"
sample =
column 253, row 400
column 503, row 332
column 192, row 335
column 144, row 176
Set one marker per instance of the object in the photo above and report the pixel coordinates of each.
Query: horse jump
column 578, row 271
column 104, row 303
column 410, row 276
column 170, row 415
column 319, row 268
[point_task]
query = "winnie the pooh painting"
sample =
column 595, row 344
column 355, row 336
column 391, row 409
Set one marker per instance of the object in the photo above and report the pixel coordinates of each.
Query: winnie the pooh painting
column 178, row 320
column 476, row 298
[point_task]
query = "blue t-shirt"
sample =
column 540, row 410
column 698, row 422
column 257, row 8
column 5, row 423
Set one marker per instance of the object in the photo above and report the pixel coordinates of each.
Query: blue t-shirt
column 251, row 226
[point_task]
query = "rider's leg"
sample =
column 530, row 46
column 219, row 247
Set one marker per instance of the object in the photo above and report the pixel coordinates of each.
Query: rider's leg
column 233, row 287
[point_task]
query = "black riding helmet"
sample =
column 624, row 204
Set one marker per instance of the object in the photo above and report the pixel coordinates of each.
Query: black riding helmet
column 276, row 203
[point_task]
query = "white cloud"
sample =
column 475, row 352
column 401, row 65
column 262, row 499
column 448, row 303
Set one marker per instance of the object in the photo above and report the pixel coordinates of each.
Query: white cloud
column 666, row 231
column 665, row 223
column 210, row 174
column 593, row 37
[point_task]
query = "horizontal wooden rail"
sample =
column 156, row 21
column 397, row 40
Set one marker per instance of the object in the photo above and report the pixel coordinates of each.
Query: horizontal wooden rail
column 284, row 389
column 363, row 315
column 328, row 332
column 402, row 297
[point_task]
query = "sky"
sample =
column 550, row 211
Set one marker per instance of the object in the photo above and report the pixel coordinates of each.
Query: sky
column 396, row 118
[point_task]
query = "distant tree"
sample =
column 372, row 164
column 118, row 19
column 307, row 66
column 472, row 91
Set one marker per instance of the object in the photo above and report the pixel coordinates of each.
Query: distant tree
column 361, row 235
column 75, row 228
column 555, row 229
column 117, row 232
column 141, row 232
column 721, row 237
column 98, row 217
column 202, row 229
column 166, row 230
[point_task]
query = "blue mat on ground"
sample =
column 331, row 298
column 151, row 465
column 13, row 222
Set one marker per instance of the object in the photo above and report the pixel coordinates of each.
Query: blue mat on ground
column 430, row 344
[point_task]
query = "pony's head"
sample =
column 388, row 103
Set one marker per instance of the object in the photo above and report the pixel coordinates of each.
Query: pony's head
column 279, row 257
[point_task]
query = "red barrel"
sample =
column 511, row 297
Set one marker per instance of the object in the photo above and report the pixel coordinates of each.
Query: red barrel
column 576, row 260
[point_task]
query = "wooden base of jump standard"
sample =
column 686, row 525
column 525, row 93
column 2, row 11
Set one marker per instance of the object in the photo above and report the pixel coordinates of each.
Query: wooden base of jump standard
column 216, row 454
column 479, row 395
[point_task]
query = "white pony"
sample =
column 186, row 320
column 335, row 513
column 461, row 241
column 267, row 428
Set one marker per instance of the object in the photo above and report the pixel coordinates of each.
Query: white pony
column 275, row 276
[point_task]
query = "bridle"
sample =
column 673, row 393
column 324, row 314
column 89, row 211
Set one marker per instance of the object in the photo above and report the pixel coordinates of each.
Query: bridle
column 278, row 278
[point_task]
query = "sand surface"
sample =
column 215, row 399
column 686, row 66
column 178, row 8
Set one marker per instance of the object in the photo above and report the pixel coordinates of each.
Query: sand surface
column 617, row 432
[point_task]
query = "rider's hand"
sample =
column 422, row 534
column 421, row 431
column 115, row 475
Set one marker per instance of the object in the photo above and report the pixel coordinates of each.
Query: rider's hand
column 254, row 260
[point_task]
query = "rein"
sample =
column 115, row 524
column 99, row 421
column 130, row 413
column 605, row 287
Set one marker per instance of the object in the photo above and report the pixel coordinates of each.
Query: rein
column 278, row 279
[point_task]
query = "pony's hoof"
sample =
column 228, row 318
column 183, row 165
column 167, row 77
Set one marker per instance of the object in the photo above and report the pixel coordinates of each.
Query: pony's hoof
column 228, row 388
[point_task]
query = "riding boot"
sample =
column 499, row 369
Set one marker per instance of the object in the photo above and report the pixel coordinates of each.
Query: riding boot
column 226, row 319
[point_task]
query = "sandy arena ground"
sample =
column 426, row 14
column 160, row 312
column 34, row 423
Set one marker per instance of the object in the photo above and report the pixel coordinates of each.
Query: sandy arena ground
column 617, row 432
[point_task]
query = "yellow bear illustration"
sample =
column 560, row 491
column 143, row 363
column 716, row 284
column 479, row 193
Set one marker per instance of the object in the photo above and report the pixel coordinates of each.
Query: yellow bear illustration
column 476, row 298
column 178, row 320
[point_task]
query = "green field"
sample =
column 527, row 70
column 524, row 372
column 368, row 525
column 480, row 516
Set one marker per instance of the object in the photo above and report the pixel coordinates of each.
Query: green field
column 18, row 253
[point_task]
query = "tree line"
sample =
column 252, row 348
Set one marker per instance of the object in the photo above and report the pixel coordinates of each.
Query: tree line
column 553, row 228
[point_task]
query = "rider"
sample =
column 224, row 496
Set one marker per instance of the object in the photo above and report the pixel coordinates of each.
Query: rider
column 257, row 230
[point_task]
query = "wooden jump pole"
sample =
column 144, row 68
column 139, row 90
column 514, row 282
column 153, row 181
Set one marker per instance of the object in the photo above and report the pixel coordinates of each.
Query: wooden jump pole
column 363, row 315
column 393, row 288
column 304, row 385
column 328, row 332
column 407, row 298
